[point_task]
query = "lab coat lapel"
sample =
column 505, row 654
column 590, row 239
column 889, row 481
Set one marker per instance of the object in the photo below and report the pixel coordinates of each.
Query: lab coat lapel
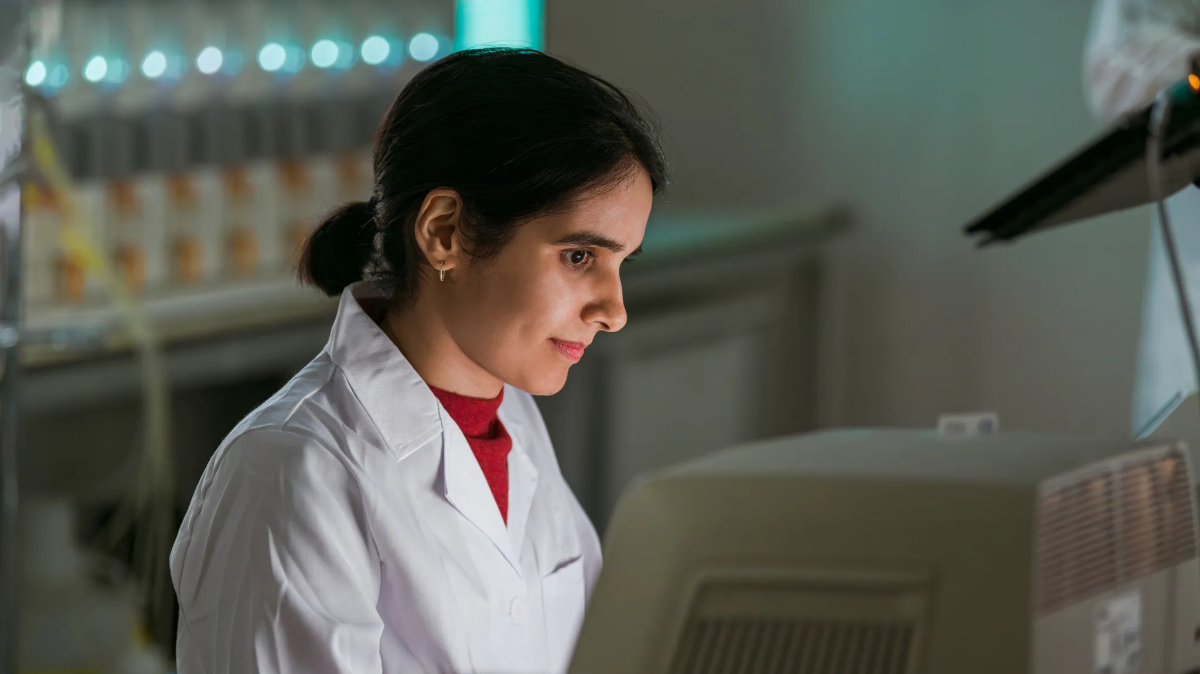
column 467, row 489
column 522, row 484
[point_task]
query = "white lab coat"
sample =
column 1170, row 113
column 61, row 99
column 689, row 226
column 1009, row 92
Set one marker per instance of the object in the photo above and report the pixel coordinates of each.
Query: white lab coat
column 346, row 527
column 1136, row 48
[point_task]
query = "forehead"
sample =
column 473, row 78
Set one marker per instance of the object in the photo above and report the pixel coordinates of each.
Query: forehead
column 619, row 211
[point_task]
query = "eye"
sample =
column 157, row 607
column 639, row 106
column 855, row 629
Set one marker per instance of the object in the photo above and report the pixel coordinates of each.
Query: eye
column 578, row 258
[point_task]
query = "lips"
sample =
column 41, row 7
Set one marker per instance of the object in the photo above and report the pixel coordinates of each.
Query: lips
column 572, row 350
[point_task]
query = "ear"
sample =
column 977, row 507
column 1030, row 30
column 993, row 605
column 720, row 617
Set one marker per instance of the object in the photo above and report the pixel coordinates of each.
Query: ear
column 437, row 228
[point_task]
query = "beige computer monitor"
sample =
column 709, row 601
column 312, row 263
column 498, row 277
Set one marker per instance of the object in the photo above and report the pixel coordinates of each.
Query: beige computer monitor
column 885, row 552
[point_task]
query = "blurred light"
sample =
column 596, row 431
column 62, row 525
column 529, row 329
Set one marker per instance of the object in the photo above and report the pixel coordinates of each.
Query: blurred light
column 209, row 61
column 375, row 50
column 154, row 65
column 118, row 70
column 36, row 74
column 1194, row 82
column 346, row 54
column 324, row 53
column 272, row 57
column 505, row 23
column 294, row 59
column 59, row 75
column 95, row 69
column 233, row 63
column 424, row 47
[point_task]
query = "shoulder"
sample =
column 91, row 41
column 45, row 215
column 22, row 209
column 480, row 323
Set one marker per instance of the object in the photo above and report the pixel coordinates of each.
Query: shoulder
column 280, row 505
column 307, row 442
column 285, row 455
column 318, row 410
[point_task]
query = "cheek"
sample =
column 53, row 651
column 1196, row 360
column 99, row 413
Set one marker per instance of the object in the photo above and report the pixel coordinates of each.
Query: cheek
column 517, row 312
column 536, row 311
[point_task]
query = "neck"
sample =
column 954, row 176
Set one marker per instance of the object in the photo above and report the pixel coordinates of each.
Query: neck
column 421, row 335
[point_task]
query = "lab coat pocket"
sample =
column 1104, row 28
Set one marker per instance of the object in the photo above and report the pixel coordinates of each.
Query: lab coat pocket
column 563, row 596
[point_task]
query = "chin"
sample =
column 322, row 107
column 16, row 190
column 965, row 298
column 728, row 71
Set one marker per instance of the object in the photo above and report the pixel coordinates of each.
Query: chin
column 547, row 382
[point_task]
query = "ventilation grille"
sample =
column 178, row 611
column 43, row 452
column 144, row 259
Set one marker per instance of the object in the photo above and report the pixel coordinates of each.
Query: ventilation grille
column 1113, row 524
column 789, row 646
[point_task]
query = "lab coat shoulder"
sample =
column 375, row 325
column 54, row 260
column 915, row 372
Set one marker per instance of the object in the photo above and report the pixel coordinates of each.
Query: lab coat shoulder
column 321, row 403
column 278, row 571
column 318, row 403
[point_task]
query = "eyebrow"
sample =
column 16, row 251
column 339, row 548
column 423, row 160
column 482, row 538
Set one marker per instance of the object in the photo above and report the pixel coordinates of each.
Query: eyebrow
column 593, row 240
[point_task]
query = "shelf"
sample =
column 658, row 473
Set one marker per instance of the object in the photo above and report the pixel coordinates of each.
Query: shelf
column 273, row 326
column 179, row 317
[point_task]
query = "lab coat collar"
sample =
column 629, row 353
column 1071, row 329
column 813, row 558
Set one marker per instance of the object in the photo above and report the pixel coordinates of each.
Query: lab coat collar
column 394, row 395
column 466, row 488
column 522, row 477
column 408, row 416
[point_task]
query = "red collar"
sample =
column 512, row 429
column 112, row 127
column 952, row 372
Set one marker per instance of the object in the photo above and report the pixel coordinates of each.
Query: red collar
column 477, row 417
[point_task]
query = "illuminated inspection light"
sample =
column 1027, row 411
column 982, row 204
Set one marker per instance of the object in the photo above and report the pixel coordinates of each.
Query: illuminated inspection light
column 210, row 60
column 272, row 57
column 324, row 53
column 36, row 74
column 375, row 50
column 423, row 47
column 154, row 65
column 96, row 69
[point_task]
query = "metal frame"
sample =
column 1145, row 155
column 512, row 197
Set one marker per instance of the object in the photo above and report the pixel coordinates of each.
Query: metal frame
column 14, row 54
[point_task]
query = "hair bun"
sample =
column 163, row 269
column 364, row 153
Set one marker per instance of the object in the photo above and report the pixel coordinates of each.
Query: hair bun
column 338, row 251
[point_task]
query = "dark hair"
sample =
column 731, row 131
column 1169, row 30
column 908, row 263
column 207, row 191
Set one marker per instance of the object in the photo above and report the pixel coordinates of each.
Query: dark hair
column 515, row 132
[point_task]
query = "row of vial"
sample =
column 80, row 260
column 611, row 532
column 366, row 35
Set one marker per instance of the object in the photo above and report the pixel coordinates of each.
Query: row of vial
column 134, row 55
column 186, row 201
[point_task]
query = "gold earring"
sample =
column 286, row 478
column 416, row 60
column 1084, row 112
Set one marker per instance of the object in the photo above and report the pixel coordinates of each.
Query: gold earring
column 442, row 271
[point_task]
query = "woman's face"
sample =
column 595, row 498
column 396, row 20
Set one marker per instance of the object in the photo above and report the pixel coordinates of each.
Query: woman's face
column 526, row 315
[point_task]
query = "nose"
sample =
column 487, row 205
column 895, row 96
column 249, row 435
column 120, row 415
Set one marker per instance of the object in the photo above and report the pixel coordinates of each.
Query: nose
column 607, row 309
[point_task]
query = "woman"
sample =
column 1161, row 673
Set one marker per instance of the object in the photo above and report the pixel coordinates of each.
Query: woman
column 1136, row 48
column 397, row 507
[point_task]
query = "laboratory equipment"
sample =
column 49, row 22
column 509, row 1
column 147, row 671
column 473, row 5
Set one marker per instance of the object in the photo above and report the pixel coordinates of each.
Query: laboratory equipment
column 207, row 138
column 1111, row 173
column 904, row 552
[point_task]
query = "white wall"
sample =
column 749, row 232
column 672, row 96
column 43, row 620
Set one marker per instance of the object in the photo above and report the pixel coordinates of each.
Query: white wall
column 919, row 115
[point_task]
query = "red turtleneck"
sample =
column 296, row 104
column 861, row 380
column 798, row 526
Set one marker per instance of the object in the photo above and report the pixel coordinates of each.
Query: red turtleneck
column 489, row 441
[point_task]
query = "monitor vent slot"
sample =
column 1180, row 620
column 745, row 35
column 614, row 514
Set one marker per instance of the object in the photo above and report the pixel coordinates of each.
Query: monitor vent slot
column 789, row 646
column 1077, row 542
column 1156, row 528
column 1112, row 524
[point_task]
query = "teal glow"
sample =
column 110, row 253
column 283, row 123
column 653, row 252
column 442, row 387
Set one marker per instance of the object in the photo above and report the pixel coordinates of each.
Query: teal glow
column 233, row 62
column 346, row 56
column 375, row 50
column 36, row 74
column 296, row 57
column 118, row 70
column 423, row 47
column 210, row 60
column 324, row 53
column 506, row 23
column 272, row 57
column 96, row 69
column 58, row 77
column 154, row 65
